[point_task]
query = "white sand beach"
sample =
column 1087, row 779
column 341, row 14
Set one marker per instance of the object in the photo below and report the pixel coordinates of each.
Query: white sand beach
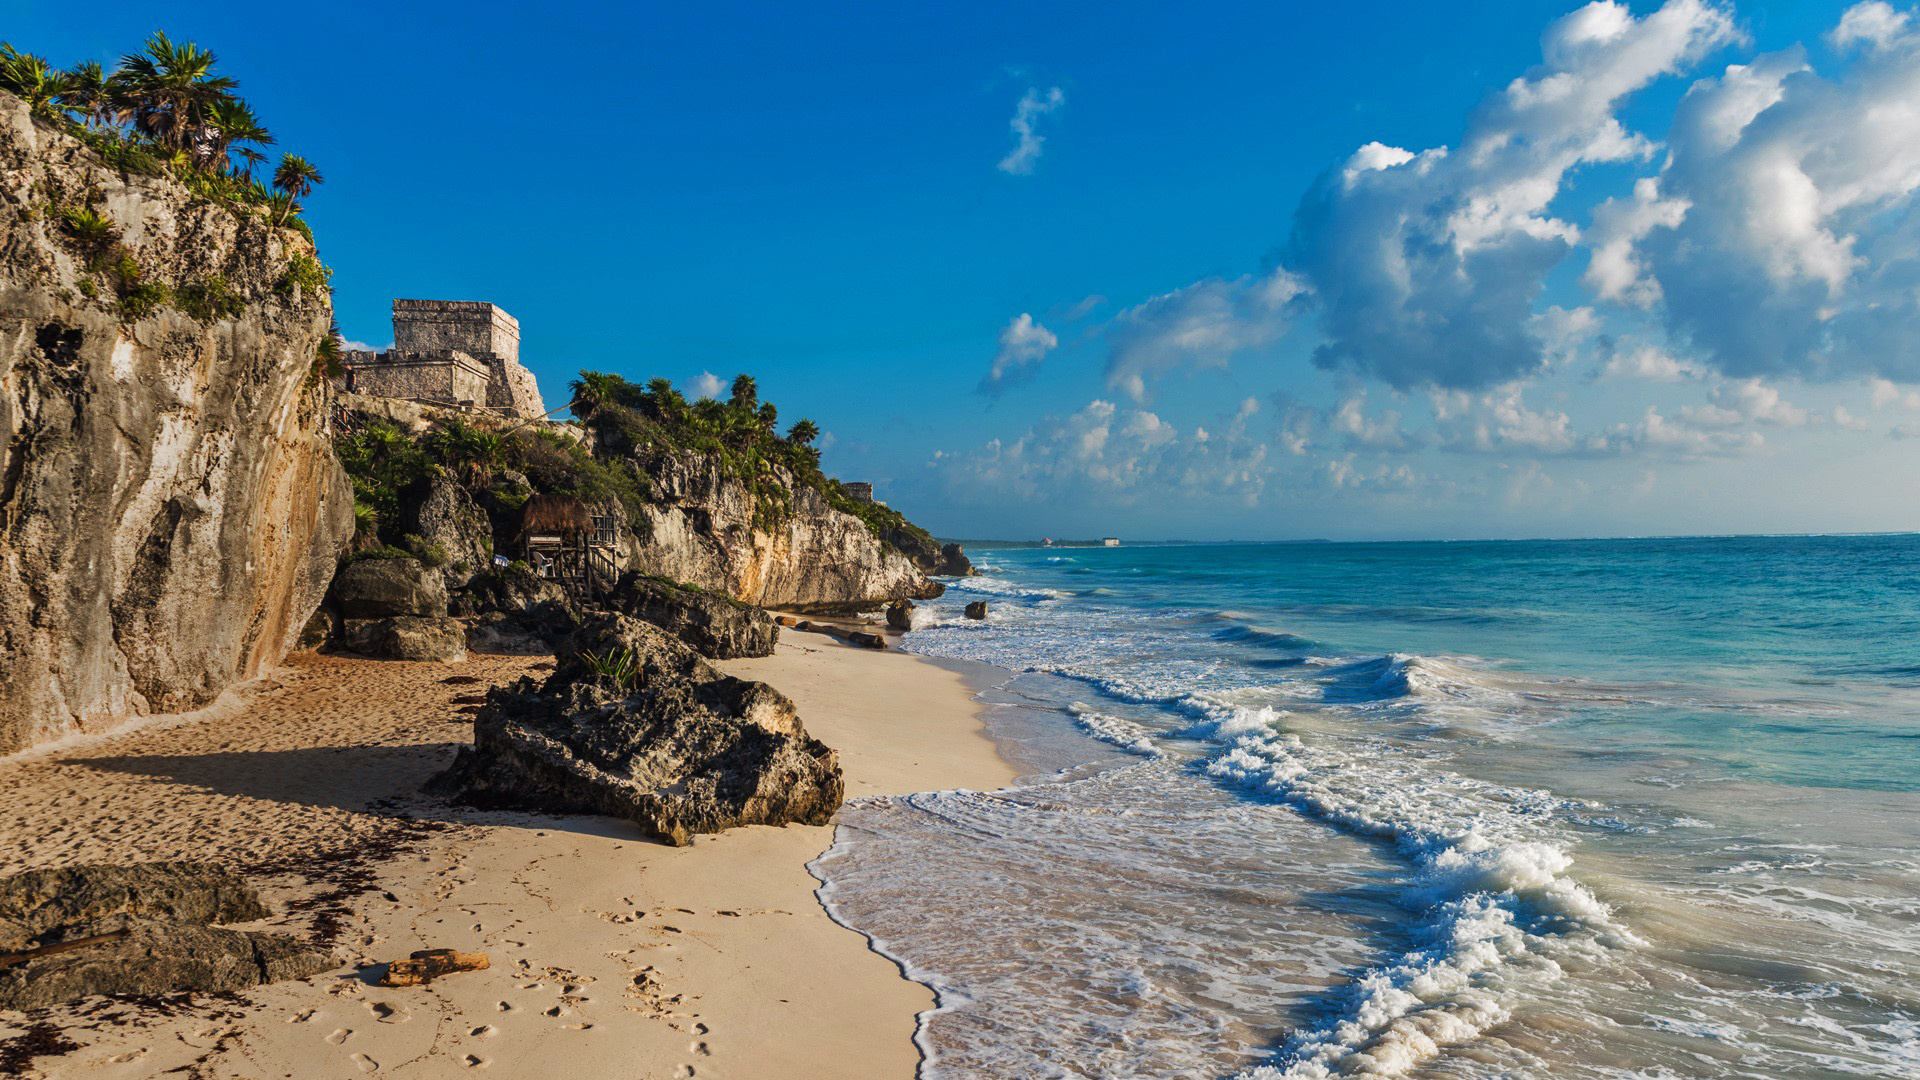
column 611, row 955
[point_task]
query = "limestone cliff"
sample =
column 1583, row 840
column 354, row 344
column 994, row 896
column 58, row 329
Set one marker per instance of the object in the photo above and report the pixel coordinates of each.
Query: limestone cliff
column 701, row 530
column 170, row 507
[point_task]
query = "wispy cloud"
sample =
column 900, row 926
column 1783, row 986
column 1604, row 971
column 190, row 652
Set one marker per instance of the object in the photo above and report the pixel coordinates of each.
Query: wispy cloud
column 1034, row 105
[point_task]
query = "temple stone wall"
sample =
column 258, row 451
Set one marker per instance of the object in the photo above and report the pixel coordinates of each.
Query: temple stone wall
column 444, row 377
column 512, row 387
column 477, row 329
column 451, row 351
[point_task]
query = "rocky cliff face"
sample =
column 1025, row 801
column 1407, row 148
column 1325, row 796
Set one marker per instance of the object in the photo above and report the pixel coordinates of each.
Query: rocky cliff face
column 701, row 530
column 170, row 508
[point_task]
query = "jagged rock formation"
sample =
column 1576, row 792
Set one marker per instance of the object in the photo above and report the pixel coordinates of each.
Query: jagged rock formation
column 701, row 529
column 928, row 554
column 170, row 509
column 715, row 626
column 635, row 725
column 142, row 929
column 954, row 562
column 977, row 609
column 447, row 520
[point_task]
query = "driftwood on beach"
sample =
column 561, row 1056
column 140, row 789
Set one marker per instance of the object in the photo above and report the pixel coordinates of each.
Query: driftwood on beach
column 851, row 637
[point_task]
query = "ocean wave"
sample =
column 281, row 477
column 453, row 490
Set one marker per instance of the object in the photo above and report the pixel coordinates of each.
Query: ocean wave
column 1247, row 634
column 1113, row 730
column 1499, row 911
column 1000, row 587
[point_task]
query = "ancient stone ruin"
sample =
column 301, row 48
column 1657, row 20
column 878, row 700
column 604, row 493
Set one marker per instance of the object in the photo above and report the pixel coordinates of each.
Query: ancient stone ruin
column 450, row 352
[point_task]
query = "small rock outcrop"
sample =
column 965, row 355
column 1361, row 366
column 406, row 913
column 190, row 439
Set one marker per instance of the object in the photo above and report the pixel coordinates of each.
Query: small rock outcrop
column 635, row 725
column 514, row 602
column 900, row 615
column 49, row 907
column 397, row 609
column 717, row 627
column 447, row 522
column 977, row 609
column 143, row 929
column 170, row 505
column 159, row 958
column 954, row 562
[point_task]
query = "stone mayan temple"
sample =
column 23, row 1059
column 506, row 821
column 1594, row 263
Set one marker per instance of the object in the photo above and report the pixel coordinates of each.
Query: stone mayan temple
column 451, row 352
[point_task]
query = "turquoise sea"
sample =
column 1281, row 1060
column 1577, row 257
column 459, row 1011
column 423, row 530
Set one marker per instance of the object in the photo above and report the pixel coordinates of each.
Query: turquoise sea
column 1585, row 808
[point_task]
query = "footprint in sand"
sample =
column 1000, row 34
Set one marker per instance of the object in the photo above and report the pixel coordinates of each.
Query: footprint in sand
column 484, row 1031
column 389, row 1014
column 504, row 1006
column 365, row 1064
column 340, row 1035
column 303, row 1017
column 701, row 1029
column 701, row 1049
column 475, row 1061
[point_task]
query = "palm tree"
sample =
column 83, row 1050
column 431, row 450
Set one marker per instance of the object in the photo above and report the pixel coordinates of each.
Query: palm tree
column 84, row 91
column 803, row 433
column 745, row 393
column 593, row 391
column 233, row 126
column 167, row 90
column 32, row 78
column 295, row 177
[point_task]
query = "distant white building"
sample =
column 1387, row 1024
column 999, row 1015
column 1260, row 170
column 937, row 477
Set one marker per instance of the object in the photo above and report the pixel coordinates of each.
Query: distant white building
column 1111, row 541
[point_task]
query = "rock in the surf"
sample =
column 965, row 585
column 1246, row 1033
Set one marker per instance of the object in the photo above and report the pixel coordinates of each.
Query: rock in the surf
column 900, row 614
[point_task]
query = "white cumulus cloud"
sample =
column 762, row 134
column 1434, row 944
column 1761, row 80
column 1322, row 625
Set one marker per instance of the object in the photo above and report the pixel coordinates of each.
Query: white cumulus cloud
column 1023, row 344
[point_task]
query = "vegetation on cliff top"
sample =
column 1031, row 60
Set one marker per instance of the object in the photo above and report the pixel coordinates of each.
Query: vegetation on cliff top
column 165, row 112
column 738, row 434
column 632, row 426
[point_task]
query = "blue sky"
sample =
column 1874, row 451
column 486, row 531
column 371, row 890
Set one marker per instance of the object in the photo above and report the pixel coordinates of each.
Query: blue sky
column 1665, row 283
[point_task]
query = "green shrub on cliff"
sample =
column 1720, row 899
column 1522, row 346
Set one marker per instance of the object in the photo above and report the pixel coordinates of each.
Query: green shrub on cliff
column 210, row 299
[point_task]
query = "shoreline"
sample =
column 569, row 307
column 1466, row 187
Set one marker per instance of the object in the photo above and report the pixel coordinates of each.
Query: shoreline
column 609, row 951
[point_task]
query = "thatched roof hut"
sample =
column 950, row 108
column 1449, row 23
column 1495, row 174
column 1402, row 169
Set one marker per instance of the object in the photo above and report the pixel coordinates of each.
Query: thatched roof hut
column 561, row 515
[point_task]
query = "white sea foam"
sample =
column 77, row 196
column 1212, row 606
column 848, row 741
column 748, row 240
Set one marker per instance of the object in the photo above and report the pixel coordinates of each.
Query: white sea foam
column 1112, row 729
column 1499, row 910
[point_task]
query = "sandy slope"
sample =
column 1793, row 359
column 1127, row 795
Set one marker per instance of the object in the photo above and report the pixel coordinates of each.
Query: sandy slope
column 612, row 956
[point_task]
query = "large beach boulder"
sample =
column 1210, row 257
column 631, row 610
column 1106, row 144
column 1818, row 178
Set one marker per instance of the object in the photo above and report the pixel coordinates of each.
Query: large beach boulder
column 634, row 724
column 407, row 637
column 139, row 929
column 383, row 588
column 715, row 626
